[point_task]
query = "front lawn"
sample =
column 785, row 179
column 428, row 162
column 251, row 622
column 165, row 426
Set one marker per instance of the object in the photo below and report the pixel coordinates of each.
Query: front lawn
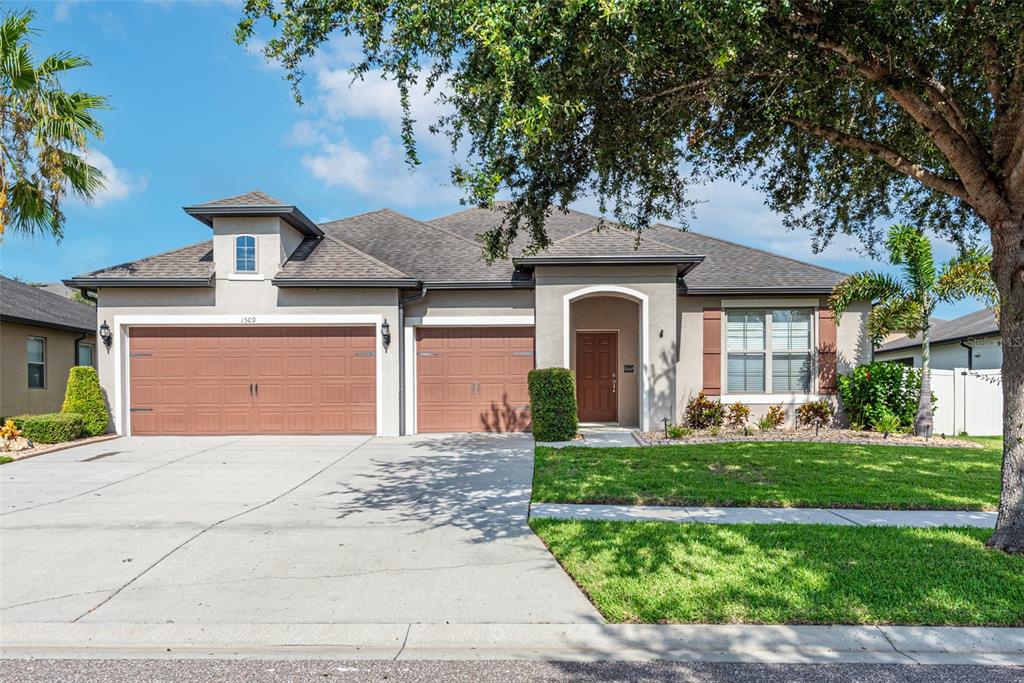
column 788, row 573
column 773, row 475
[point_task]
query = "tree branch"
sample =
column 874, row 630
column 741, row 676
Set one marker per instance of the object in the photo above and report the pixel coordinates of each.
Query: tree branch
column 897, row 161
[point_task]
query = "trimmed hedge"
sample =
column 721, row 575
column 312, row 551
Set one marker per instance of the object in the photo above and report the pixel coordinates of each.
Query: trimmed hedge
column 84, row 396
column 873, row 391
column 50, row 427
column 553, row 404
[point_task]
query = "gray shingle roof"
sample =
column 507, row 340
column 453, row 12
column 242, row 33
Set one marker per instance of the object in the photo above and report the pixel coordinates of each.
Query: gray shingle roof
column 254, row 198
column 387, row 245
column 24, row 303
column 191, row 262
column 978, row 324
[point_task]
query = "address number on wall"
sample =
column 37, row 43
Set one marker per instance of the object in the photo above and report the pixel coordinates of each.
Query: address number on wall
column 248, row 319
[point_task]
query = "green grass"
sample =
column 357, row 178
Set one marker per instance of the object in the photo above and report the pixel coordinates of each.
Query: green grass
column 773, row 474
column 4, row 459
column 788, row 573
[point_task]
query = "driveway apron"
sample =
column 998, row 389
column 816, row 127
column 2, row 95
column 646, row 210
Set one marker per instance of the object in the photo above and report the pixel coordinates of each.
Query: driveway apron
column 279, row 530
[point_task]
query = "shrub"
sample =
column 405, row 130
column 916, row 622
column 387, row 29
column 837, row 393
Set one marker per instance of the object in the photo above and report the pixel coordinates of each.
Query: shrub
column 765, row 424
column 871, row 390
column 737, row 415
column 553, row 404
column 84, row 396
column 8, row 433
column 50, row 427
column 703, row 412
column 678, row 432
column 815, row 414
column 887, row 422
column 776, row 416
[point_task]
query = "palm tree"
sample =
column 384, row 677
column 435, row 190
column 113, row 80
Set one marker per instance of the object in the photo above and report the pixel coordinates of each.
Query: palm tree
column 906, row 303
column 45, row 133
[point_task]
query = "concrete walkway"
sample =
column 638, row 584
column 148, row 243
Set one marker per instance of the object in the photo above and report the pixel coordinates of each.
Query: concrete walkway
column 598, row 436
column 562, row 642
column 719, row 515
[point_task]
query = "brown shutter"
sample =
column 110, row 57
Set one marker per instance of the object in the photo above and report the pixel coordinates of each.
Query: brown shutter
column 713, row 351
column 826, row 352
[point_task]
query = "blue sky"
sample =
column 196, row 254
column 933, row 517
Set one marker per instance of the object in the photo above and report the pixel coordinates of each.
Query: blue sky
column 195, row 117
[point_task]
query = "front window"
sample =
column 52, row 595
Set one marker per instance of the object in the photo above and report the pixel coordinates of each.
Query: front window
column 36, row 362
column 85, row 354
column 245, row 254
column 769, row 351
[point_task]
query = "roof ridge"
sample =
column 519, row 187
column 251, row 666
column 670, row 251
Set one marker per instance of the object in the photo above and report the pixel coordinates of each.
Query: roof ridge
column 435, row 227
column 147, row 258
column 368, row 257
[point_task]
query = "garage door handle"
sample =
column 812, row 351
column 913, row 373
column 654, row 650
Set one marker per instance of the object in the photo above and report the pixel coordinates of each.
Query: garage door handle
column 257, row 390
column 250, row 388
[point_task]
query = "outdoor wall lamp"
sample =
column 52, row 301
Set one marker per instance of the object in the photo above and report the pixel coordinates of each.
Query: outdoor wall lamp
column 385, row 333
column 105, row 335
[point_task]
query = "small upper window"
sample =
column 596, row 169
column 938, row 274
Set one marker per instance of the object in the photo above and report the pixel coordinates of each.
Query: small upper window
column 37, row 362
column 245, row 254
column 85, row 354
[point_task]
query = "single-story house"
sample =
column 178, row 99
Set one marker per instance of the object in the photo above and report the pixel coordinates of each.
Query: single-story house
column 383, row 324
column 971, row 341
column 42, row 336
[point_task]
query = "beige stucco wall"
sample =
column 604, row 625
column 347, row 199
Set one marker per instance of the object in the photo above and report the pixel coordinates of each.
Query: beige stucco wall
column 15, row 396
column 987, row 355
column 852, row 349
column 604, row 313
column 472, row 302
column 657, row 283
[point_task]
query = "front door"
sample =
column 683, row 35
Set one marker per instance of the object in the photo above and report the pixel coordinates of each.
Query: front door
column 596, row 361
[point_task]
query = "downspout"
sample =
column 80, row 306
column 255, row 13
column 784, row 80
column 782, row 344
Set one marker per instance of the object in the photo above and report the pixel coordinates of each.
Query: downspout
column 74, row 360
column 87, row 296
column 402, row 301
column 970, row 355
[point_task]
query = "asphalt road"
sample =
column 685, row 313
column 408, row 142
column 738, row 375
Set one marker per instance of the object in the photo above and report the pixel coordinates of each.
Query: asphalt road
column 261, row 671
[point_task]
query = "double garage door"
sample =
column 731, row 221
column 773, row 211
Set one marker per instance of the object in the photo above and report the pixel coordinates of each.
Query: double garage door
column 321, row 380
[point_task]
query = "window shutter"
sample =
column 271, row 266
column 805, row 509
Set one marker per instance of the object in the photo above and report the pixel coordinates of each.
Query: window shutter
column 713, row 351
column 826, row 352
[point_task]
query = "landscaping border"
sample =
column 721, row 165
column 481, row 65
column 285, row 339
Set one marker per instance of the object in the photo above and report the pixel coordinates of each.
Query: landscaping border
column 43, row 449
column 658, row 439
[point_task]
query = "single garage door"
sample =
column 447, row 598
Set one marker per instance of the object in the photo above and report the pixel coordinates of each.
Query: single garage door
column 473, row 379
column 252, row 380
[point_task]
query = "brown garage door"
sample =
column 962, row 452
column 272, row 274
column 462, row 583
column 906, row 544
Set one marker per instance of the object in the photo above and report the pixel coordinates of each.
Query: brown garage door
column 253, row 380
column 473, row 379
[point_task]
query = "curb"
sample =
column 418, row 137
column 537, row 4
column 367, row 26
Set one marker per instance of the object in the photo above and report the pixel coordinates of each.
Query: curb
column 578, row 642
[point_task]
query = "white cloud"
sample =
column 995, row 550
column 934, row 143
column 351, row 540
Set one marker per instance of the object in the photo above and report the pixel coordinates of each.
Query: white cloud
column 119, row 183
column 62, row 10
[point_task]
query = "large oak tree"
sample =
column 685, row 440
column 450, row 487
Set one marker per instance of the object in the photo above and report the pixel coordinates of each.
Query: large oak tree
column 845, row 113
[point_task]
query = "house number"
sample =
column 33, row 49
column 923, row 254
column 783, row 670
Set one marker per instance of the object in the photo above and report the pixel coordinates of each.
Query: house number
column 248, row 319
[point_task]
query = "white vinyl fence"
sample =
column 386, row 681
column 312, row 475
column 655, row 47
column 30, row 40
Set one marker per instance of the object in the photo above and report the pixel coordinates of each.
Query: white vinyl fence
column 968, row 401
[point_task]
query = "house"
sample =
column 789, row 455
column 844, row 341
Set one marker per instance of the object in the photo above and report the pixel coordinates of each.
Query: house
column 380, row 323
column 42, row 336
column 971, row 341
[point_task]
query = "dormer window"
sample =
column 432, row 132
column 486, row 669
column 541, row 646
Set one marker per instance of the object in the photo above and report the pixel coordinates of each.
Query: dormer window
column 245, row 254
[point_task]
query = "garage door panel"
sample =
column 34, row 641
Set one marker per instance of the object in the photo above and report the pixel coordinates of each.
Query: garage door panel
column 197, row 380
column 473, row 379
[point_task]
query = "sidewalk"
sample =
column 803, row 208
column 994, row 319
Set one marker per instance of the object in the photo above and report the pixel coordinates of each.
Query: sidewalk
column 597, row 435
column 578, row 642
column 723, row 515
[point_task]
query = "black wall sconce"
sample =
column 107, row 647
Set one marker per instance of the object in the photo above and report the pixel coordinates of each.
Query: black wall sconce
column 105, row 335
column 385, row 333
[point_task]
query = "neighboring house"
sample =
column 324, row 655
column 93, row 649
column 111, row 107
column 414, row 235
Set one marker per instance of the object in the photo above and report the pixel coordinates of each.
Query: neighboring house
column 383, row 324
column 971, row 341
column 42, row 336
column 60, row 289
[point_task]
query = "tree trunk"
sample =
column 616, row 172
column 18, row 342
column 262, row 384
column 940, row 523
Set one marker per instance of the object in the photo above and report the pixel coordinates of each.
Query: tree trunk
column 923, row 423
column 1008, row 270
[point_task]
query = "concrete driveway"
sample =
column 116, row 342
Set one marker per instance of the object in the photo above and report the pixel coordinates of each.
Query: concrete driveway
column 312, row 530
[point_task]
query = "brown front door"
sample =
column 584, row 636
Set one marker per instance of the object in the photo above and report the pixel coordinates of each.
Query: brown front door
column 596, row 361
column 253, row 380
column 473, row 379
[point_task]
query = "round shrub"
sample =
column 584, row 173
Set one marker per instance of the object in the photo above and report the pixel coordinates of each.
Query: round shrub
column 553, row 404
column 50, row 427
column 879, row 391
column 703, row 412
column 85, row 397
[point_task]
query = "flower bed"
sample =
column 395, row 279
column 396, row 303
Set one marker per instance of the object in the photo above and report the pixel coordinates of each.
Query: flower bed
column 725, row 435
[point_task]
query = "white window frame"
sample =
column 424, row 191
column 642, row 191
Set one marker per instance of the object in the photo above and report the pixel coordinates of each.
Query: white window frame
column 769, row 394
column 32, row 362
column 78, row 352
column 255, row 256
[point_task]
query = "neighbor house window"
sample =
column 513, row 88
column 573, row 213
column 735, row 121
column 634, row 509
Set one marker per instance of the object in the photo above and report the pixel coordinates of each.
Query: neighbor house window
column 245, row 254
column 768, row 351
column 84, row 355
column 36, row 362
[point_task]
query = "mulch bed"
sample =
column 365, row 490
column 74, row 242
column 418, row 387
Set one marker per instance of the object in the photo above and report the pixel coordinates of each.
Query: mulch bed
column 43, row 448
column 849, row 436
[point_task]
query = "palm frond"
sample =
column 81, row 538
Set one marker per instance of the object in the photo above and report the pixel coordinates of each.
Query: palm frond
column 864, row 286
column 895, row 315
column 913, row 251
column 968, row 275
